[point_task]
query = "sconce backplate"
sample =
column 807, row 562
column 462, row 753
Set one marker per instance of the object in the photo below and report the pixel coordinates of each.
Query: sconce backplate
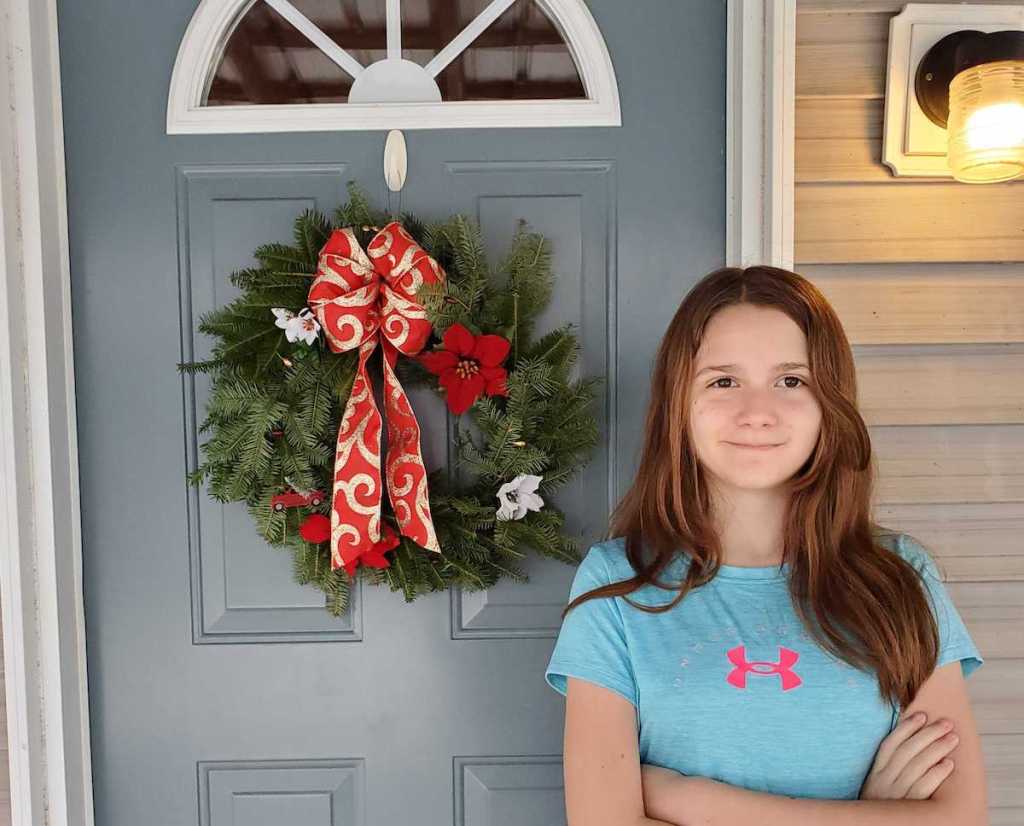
column 911, row 144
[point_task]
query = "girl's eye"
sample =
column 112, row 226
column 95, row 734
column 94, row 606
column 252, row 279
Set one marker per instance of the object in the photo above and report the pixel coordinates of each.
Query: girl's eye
column 715, row 384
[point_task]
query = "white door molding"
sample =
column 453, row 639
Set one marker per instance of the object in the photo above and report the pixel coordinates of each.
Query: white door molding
column 760, row 132
column 41, row 578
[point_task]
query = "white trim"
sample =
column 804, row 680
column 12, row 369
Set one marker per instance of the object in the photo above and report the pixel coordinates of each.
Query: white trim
column 394, row 29
column 760, row 133
column 213, row 20
column 41, row 578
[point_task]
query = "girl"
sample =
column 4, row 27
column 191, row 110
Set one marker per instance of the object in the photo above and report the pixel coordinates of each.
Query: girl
column 767, row 689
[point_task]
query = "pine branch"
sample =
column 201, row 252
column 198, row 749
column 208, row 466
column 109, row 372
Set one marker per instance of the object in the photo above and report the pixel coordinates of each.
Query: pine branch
column 193, row 367
column 528, row 286
column 280, row 258
column 311, row 232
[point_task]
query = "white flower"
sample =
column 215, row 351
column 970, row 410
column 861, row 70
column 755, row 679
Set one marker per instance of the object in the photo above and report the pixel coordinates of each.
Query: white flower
column 517, row 497
column 304, row 325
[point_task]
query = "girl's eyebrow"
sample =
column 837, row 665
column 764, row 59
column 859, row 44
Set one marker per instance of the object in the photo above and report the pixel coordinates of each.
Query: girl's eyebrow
column 784, row 365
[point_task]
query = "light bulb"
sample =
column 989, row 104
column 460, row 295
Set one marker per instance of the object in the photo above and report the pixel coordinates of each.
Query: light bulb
column 986, row 122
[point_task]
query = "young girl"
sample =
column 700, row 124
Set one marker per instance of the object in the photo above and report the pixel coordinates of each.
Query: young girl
column 767, row 687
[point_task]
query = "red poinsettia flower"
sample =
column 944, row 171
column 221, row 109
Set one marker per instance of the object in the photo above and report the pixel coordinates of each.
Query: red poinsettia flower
column 468, row 366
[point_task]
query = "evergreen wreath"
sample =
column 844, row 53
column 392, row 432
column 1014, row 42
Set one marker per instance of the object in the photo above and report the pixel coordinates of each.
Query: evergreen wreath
column 278, row 393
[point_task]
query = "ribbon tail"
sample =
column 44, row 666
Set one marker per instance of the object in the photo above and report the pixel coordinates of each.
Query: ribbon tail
column 406, row 475
column 356, row 495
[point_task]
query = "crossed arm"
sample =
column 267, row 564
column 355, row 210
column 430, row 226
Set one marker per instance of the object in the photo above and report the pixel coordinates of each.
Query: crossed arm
column 701, row 801
column 960, row 800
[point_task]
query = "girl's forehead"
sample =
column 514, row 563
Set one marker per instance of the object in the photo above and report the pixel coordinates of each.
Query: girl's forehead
column 766, row 346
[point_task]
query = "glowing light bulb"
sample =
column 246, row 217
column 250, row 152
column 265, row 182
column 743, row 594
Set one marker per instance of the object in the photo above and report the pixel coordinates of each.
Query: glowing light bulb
column 1001, row 124
column 986, row 122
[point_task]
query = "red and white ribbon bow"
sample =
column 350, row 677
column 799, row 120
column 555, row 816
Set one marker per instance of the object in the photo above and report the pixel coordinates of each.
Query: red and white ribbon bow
column 359, row 297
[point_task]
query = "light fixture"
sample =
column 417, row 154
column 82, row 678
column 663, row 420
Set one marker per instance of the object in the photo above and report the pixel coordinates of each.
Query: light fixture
column 972, row 84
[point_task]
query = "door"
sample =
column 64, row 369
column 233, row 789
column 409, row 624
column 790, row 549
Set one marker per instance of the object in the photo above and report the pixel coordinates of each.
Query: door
column 221, row 692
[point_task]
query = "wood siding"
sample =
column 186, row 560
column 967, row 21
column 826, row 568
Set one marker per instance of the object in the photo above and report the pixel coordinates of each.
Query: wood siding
column 928, row 278
column 5, row 763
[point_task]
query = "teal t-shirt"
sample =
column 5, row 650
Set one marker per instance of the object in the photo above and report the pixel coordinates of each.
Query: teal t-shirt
column 728, row 684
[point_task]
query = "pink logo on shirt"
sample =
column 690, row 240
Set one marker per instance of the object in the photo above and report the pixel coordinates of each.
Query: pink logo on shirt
column 787, row 658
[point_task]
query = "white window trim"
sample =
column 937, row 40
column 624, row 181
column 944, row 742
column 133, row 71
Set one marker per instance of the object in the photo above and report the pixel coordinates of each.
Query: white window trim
column 41, row 579
column 208, row 30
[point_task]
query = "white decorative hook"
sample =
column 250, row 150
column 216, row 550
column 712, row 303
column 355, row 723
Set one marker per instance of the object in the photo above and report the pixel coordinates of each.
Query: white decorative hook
column 395, row 160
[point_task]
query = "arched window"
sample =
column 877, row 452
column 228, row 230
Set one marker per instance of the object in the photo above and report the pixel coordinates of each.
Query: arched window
column 300, row 65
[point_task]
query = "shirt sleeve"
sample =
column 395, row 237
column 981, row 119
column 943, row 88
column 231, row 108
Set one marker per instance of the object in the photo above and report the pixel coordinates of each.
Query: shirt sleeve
column 955, row 641
column 591, row 643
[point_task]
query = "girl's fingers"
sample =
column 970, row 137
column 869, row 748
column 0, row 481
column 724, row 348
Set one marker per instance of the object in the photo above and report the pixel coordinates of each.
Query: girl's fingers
column 918, row 766
column 930, row 780
column 912, row 746
column 903, row 731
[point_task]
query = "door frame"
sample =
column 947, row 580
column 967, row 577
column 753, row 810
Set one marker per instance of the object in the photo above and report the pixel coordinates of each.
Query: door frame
column 41, row 573
column 760, row 133
column 40, row 521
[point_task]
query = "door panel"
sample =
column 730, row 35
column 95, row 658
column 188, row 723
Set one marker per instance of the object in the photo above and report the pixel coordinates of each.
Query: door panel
column 220, row 691
column 240, row 592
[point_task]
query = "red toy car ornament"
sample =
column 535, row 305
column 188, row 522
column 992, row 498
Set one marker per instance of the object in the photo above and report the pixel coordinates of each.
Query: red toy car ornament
column 294, row 499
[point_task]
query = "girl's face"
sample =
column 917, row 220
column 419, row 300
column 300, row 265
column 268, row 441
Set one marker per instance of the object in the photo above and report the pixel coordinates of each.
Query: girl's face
column 749, row 389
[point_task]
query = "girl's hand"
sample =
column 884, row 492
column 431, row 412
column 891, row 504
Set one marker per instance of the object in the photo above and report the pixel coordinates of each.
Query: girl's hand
column 909, row 762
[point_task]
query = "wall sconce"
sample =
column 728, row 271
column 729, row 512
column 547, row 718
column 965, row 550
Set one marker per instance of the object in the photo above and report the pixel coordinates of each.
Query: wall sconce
column 954, row 92
column 972, row 84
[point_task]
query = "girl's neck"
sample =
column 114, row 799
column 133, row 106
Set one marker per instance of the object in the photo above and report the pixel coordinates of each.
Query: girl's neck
column 750, row 527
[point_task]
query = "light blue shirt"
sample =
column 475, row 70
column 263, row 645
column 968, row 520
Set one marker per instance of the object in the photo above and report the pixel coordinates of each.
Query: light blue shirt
column 728, row 685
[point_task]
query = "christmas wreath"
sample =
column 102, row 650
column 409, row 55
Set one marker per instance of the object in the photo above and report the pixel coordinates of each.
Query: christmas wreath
column 296, row 431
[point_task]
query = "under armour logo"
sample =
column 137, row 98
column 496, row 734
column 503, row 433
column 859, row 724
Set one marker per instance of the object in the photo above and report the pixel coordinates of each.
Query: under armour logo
column 787, row 658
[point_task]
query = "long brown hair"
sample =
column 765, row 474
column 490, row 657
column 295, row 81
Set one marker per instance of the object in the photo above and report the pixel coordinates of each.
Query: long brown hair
column 863, row 603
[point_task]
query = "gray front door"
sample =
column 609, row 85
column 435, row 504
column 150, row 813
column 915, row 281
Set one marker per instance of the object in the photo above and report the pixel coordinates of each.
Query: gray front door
column 221, row 692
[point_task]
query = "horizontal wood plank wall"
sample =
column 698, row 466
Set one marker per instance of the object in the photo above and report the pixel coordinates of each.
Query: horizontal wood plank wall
column 928, row 278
